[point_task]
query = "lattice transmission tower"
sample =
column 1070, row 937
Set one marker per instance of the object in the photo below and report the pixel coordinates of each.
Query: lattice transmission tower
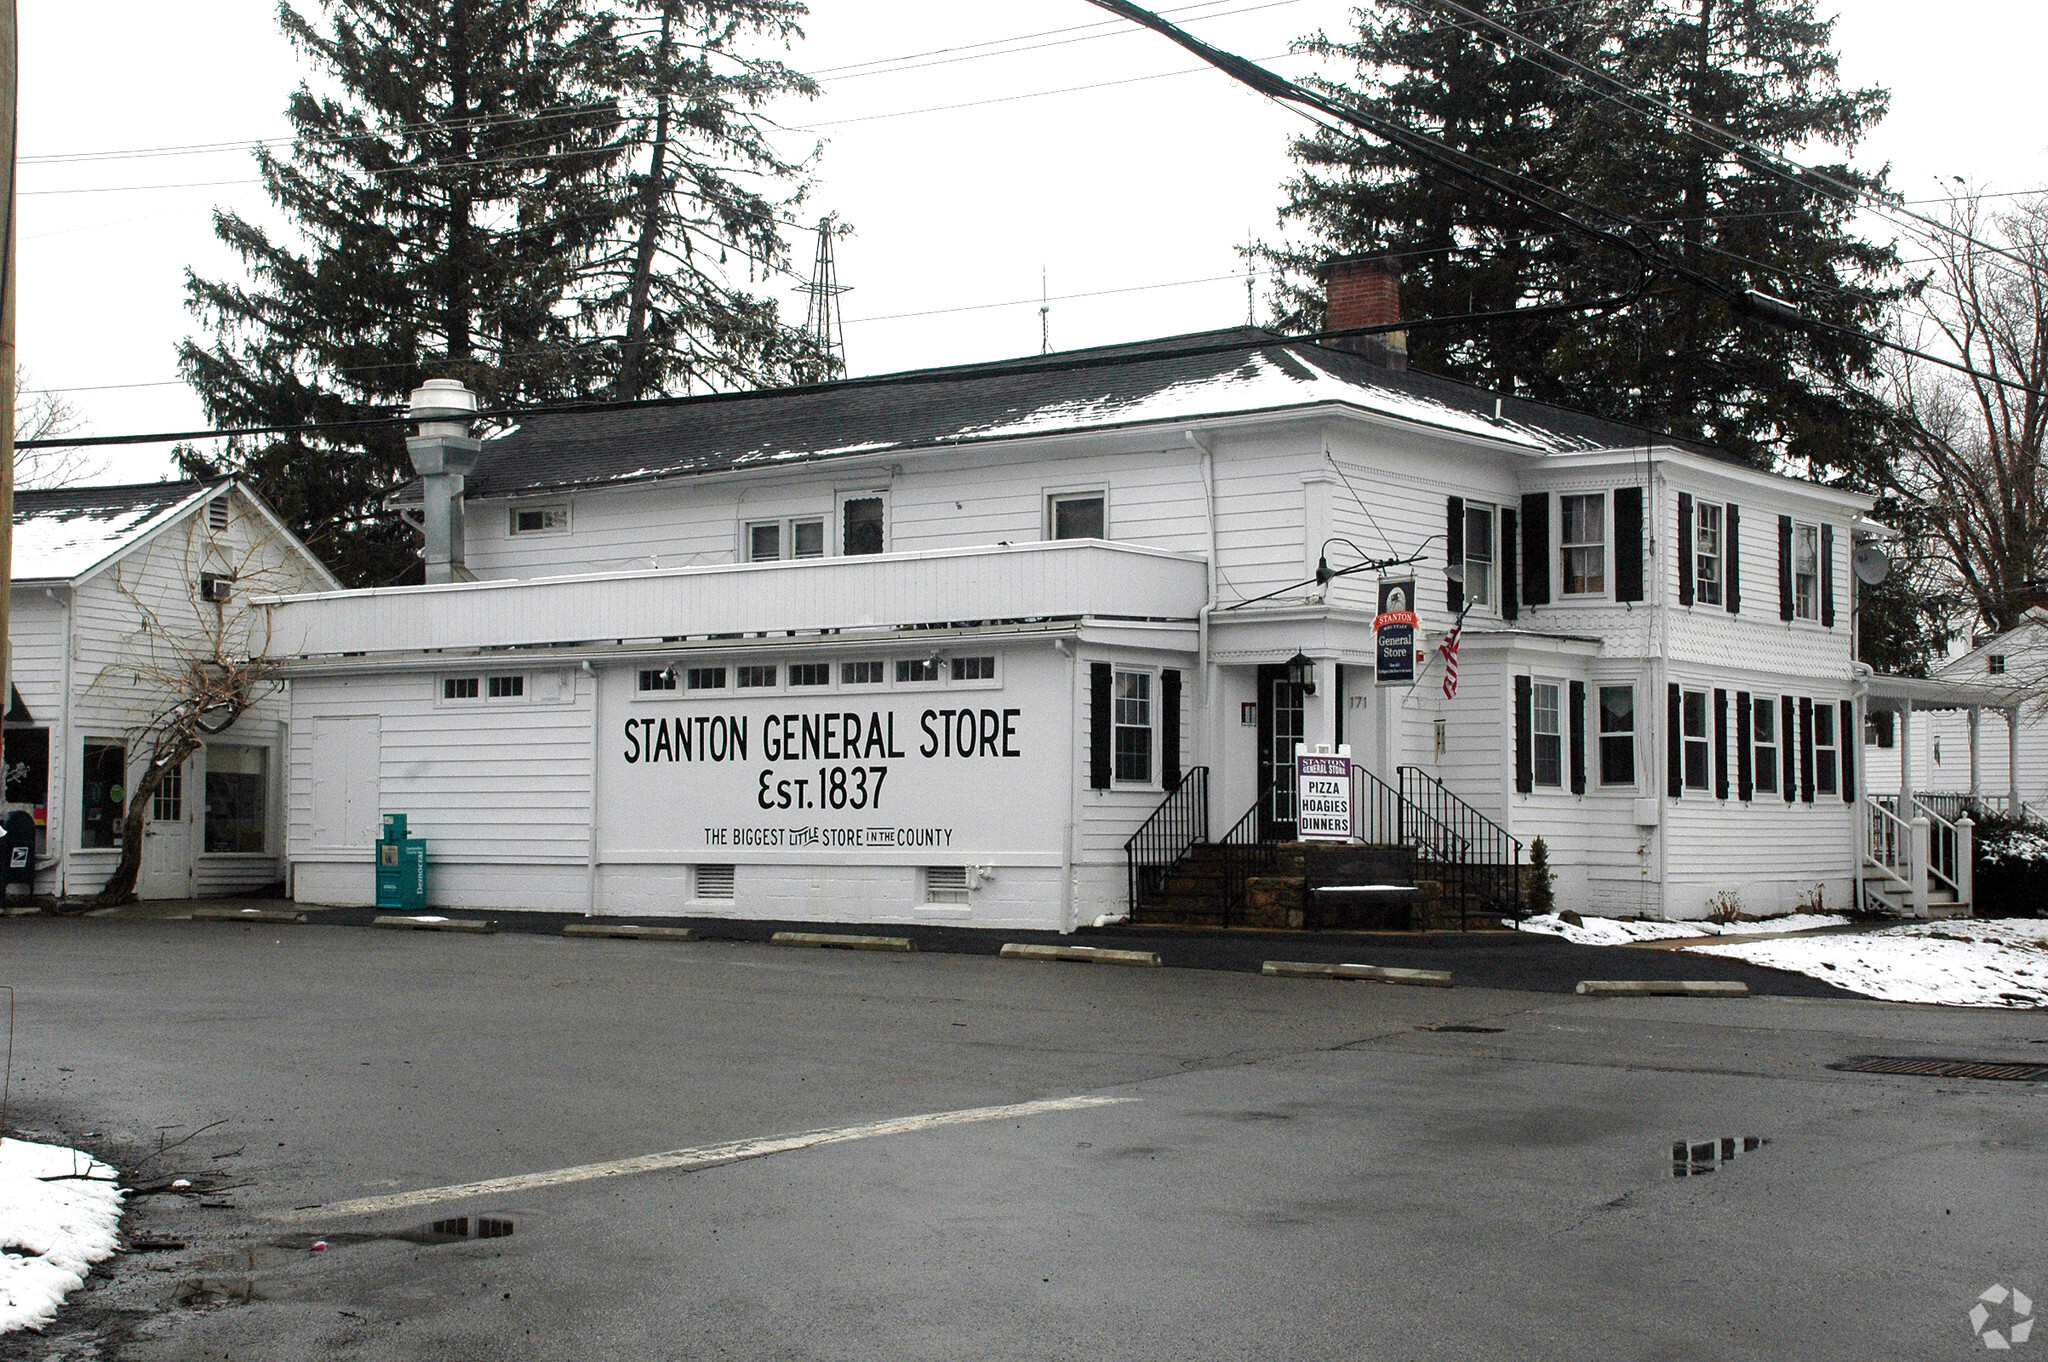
column 824, row 323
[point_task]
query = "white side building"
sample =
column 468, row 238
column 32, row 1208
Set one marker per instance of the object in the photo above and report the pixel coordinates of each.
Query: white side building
column 936, row 646
column 112, row 587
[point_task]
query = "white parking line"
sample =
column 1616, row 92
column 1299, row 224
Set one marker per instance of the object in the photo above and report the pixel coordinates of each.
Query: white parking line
column 732, row 1151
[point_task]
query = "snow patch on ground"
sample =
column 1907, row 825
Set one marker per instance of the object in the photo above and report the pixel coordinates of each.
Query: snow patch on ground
column 1997, row 962
column 1610, row 931
column 51, row 1232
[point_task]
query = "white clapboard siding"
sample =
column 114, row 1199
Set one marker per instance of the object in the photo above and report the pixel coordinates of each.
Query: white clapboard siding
column 1071, row 579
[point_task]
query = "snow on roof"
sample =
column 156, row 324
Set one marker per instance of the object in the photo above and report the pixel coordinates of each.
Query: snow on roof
column 63, row 533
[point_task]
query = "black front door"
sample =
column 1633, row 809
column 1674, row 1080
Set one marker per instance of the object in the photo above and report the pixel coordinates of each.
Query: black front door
column 1281, row 726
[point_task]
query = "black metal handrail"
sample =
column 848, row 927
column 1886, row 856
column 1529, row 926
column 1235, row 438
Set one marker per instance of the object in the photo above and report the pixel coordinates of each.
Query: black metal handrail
column 1479, row 860
column 1162, row 840
column 1243, row 854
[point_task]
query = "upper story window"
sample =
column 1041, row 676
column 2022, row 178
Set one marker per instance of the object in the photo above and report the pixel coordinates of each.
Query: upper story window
column 657, row 678
column 1763, row 743
column 756, row 678
column 461, row 688
column 1708, row 570
column 505, row 687
column 911, row 669
column 704, row 678
column 861, row 674
column 1806, row 572
column 540, row 519
column 1583, row 542
column 1479, row 554
column 863, row 524
column 1079, row 515
column 974, row 669
column 771, row 540
column 810, row 673
column 1995, row 664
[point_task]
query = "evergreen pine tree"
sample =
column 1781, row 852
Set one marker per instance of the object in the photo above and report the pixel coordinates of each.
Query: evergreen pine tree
column 456, row 191
column 1679, row 359
column 1541, row 899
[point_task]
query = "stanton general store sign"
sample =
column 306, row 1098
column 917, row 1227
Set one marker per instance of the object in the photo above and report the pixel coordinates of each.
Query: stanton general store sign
column 920, row 773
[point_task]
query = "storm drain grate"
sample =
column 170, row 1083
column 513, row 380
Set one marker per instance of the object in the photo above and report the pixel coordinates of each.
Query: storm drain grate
column 1943, row 1068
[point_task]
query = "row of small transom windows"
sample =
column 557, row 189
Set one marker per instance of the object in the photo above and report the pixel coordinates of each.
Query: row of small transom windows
column 863, row 526
column 813, row 675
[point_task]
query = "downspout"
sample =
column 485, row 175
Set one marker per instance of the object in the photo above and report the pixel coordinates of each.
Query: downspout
column 60, row 822
column 590, row 868
column 1067, row 869
column 1207, row 459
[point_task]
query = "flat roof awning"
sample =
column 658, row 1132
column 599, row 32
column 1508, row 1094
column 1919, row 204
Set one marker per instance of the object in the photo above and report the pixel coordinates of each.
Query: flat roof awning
column 1891, row 693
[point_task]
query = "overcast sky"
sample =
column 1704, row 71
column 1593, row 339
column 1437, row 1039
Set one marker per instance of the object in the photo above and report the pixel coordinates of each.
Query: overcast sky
column 1096, row 159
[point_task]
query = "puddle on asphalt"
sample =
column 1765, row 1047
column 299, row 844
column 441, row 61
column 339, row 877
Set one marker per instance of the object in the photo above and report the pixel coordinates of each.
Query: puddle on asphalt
column 295, row 1248
column 1697, row 1158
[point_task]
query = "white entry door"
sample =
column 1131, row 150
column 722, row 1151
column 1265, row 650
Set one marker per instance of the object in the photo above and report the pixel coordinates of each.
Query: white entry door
column 167, row 841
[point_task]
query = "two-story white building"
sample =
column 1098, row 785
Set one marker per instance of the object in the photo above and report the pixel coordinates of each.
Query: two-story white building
column 935, row 646
column 115, row 590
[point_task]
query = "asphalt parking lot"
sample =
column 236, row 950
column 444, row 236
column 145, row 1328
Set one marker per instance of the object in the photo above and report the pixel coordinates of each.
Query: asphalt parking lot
column 1221, row 1165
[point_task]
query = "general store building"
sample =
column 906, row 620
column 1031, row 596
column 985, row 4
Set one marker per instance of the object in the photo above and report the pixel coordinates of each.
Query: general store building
column 936, row 646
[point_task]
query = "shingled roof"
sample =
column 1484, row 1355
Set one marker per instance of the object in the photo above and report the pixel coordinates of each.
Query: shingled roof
column 1182, row 378
column 64, row 532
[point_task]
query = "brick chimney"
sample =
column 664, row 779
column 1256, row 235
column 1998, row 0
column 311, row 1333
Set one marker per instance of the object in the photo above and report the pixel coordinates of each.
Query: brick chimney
column 1365, row 290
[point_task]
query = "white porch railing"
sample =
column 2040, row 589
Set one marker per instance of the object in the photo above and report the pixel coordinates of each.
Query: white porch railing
column 1059, row 580
column 1917, row 857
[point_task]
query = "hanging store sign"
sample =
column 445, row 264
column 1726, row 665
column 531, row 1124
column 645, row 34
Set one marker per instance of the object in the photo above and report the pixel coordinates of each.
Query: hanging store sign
column 1394, row 630
column 1323, row 783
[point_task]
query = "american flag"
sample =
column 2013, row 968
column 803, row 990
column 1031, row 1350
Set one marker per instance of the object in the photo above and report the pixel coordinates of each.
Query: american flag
column 1449, row 649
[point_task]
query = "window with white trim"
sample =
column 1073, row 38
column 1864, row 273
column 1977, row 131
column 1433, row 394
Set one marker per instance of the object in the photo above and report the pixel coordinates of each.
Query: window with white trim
column 1546, row 729
column 1826, row 756
column 771, row 540
column 1698, row 746
column 461, row 687
column 1131, row 727
column 913, row 669
column 755, row 677
column 656, row 678
column 1078, row 515
column 865, row 673
column 1479, row 553
column 1617, row 735
column 1806, row 572
column 1763, row 743
column 704, row 678
column 1707, row 569
column 1994, row 663
column 810, row 673
column 864, row 523
column 540, row 519
column 505, row 687
column 1582, row 519
column 974, row 669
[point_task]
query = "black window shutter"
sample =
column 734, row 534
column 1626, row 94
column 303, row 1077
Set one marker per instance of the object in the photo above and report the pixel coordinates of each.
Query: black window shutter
column 1454, row 552
column 1731, row 558
column 1685, row 548
column 1098, row 725
column 1788, row 729
column 1525, row 766
column 1720, row 743
column 1784, row 567
column 1806, row 750
column 1536, row 548
column 1510, row 588
column 1827, row 576
column 1578, row 723
column 1849, row 750
column 1628, row 543
column 1674, row 743
column 1339, row 704
column 1169, row 727
column 1745, row 759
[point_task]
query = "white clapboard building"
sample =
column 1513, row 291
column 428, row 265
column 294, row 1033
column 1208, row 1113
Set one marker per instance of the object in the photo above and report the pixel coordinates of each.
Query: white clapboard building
column 1000, row 644
column 115, row 590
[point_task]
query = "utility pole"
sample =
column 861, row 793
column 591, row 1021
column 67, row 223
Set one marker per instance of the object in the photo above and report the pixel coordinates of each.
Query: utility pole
column 10, row 72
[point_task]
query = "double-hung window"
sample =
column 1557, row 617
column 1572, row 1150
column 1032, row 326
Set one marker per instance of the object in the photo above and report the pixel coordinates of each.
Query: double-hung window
column 1583, row 520
column 770, row 540
column 1708, row 564
column 1825, row 752
column 1478, row 554
column 1806, row 572
column 1081, row 515
column 1763, row 743
column 1546, row 728
column 1698, row 748
column 1617, row 735
column 1132, row 727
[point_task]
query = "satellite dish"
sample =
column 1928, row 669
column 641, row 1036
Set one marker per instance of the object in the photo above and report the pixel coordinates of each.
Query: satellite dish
column 1871, row 564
